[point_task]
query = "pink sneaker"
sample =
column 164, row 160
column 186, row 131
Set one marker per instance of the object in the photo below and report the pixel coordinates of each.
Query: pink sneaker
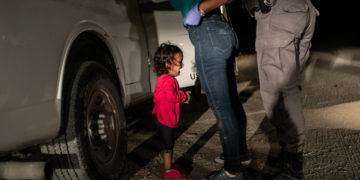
column 173, row 174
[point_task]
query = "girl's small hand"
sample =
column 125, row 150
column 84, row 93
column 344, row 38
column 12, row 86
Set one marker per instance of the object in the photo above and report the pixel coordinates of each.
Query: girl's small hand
column 188, row 97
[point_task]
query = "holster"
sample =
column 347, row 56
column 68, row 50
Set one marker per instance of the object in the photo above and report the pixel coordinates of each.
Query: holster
column 254, row 5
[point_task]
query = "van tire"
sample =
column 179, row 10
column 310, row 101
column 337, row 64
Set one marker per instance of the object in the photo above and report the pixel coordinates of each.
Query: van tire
column 94, row 143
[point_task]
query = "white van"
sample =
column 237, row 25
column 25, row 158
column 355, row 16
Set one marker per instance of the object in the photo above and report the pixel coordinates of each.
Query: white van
column 69, row 68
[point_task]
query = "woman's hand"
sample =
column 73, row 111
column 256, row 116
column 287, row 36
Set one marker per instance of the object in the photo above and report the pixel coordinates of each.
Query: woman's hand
column 193, row 17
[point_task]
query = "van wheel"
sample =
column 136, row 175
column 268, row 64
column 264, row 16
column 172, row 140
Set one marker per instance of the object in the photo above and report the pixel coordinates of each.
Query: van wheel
column 94, row 143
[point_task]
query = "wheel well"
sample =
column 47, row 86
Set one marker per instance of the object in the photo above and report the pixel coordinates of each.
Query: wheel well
column 88, row 46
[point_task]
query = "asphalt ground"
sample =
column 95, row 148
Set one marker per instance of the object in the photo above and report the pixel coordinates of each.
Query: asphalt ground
column 331, row 101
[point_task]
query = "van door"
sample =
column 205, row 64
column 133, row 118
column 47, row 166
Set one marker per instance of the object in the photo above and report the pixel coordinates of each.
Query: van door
column 162, row 23
column 135, row 55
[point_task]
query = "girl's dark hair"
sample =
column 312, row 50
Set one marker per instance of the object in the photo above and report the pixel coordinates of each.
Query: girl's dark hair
column 164, row 54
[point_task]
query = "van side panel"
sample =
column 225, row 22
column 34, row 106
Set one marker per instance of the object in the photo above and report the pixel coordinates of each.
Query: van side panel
column 33, row 45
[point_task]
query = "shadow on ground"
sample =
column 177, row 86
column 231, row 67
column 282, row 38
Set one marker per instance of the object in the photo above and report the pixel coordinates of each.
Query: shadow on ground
column 149, row 149
column 146, row 151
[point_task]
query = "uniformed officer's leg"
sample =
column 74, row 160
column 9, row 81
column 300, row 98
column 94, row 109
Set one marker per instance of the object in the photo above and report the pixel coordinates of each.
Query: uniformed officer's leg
column 279, row 79
column 296, row 124
column 299, row 51
column 269, row 73
column 283, row 109
column 274, row 75
column 270, row 70
column 293, row 120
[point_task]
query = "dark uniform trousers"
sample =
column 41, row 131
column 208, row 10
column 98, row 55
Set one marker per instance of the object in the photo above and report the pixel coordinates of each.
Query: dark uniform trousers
column 283, row 40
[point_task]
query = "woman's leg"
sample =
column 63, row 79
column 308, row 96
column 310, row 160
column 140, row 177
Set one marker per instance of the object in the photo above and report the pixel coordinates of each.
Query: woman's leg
column 214, row 44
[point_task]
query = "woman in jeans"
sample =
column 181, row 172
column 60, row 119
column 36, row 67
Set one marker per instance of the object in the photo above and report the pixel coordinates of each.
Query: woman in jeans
column 215, row 42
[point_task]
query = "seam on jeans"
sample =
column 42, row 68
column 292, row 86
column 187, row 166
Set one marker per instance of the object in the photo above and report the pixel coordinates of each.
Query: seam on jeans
column 226, row 38
column 206, row 80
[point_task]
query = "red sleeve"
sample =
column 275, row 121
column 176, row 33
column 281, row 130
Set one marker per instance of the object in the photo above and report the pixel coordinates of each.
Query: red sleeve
column 182, row 96
column 170, row 93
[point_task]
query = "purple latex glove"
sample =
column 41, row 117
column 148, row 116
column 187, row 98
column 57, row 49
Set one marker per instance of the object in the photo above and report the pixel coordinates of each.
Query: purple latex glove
column 193, row 17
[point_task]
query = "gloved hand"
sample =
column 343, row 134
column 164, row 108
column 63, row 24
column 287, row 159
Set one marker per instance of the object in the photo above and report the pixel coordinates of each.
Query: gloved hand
column 193, row 17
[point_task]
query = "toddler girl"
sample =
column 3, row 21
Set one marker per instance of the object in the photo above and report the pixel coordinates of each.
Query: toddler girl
column 168, row 98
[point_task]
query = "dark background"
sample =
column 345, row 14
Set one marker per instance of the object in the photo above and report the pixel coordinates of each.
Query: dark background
column 337, row 25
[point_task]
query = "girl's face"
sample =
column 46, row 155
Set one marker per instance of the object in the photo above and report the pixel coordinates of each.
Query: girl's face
column 174, row 68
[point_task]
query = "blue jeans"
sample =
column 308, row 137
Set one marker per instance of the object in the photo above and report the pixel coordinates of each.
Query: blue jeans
column 215, row 42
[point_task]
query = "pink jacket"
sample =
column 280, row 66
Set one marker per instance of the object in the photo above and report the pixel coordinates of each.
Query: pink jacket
column 167, row 99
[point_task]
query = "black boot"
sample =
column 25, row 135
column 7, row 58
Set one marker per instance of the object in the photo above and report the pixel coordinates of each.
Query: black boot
column 290, row 165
